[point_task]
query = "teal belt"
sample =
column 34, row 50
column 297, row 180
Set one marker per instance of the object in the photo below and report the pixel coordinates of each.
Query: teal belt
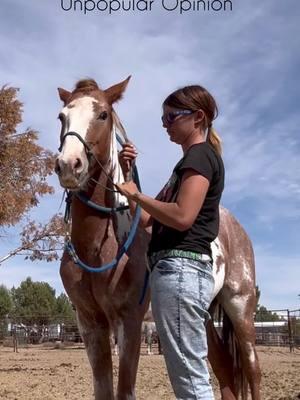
column 155, row 257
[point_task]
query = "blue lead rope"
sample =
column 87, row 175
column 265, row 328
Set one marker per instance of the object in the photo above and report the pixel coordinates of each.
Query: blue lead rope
column 123, row 249
column 121, row 252
column 107, row 210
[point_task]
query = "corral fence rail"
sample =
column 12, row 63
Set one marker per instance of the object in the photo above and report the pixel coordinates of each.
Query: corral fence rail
column 278, row 328
column 37, row 329
column 273, row 328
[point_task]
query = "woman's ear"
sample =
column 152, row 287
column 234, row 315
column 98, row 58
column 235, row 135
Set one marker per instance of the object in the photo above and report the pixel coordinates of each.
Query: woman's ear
column 199, row 117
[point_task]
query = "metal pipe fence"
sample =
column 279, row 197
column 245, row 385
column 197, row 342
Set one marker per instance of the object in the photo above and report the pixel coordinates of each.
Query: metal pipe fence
column 278, row 328
column 282, row 328
column 35, row 330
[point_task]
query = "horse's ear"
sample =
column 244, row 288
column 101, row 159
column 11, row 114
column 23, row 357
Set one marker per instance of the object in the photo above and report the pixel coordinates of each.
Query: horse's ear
column 115, row 92
column 64, row 95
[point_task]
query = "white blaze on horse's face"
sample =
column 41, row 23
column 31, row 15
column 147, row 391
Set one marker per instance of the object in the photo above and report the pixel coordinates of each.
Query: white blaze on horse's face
column 73, row 161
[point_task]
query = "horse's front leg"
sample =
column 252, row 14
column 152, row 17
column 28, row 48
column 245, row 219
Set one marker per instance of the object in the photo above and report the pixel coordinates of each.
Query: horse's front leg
column 130, row 343
column 95, row 334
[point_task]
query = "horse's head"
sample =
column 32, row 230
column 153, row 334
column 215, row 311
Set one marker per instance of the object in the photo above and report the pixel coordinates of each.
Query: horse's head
column 87, row 119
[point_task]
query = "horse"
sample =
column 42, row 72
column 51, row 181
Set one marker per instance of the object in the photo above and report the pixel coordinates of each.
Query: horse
column 109, row 301
column 106, row 301
column 234, row 357
column 149, row 330
column 150, row 333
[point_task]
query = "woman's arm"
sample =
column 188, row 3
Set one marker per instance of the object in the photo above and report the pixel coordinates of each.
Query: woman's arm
column 146, row 219
column 181, row 214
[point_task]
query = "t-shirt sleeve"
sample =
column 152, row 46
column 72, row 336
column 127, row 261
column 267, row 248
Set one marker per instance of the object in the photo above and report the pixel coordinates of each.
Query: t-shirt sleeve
column 199, row 159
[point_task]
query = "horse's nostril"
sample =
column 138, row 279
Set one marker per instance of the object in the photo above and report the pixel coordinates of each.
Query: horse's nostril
column 77, row 164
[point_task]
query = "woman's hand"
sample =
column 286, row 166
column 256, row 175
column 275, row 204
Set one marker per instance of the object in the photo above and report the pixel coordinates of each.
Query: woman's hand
column 128, row 189
column 127, row 156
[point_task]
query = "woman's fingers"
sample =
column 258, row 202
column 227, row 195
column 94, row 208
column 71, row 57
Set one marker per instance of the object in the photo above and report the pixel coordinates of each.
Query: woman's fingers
column 129, row 149
column 126, row 156
column 128, row 153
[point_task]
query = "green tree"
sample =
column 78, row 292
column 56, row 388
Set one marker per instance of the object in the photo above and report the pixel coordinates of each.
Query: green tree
column 5, row 302
column 5, row 308
column 257, row 291
column 64, row 309
column 262, row 314
column 34, row 303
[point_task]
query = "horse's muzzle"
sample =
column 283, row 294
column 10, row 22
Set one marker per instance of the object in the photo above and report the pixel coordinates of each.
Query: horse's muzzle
column 69, row 172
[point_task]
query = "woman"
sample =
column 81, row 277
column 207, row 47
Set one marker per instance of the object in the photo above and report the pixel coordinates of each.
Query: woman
column 185, row 220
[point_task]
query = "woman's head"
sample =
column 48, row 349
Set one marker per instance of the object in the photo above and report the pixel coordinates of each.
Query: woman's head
column 189, row 100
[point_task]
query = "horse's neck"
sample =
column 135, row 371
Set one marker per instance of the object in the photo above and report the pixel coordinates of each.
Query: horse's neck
column 100, row 192
column 92, row 231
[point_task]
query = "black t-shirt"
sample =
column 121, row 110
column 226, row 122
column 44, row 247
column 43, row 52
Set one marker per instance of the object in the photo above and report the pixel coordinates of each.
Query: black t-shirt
column 203, row 159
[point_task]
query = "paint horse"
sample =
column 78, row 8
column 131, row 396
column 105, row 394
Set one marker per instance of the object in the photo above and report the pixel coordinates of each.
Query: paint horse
column 109, row 301
column 233, row 357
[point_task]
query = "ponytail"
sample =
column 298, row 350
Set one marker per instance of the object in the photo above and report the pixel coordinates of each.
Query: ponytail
column 214, row 140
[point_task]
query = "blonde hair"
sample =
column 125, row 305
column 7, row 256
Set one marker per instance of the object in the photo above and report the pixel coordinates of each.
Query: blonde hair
column 194, row 98
column 214, row 140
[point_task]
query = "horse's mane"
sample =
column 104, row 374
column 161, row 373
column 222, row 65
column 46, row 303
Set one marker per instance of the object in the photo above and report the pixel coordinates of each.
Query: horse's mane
column 86, row 85
column 117, row 173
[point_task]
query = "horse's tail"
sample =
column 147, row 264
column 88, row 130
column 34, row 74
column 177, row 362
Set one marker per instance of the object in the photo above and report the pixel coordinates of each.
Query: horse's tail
column 232, row 346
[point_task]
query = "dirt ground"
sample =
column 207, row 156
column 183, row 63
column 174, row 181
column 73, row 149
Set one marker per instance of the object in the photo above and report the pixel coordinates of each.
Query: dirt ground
column 52, row 374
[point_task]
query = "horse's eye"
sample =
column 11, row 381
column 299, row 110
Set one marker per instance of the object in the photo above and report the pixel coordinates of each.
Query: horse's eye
column 103, row 115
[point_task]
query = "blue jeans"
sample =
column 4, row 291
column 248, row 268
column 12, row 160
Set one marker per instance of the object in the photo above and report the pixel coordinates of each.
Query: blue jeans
column 181, row 292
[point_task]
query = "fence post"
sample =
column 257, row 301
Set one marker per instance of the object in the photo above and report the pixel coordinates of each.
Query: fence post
column 291, row 341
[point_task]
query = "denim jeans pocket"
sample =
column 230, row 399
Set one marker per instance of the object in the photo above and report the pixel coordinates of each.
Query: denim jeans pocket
column 167, row 266
column 198, row 281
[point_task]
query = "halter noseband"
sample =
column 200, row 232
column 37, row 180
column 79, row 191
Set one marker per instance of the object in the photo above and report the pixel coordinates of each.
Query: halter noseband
column 71, row 133
column 90, row 154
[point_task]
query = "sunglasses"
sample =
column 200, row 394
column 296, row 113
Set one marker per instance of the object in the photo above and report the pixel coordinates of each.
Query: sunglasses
column 171, row 116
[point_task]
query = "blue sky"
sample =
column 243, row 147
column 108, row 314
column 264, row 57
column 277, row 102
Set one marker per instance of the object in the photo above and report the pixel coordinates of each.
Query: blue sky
column 248, row 58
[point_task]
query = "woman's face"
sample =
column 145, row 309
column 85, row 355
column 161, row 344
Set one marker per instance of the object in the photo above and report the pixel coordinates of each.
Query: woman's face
column 179, row 123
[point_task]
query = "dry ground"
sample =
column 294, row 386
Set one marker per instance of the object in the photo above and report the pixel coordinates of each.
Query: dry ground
column 54, row 374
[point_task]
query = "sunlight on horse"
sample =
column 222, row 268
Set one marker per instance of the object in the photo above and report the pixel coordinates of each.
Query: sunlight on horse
column 109, row 301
